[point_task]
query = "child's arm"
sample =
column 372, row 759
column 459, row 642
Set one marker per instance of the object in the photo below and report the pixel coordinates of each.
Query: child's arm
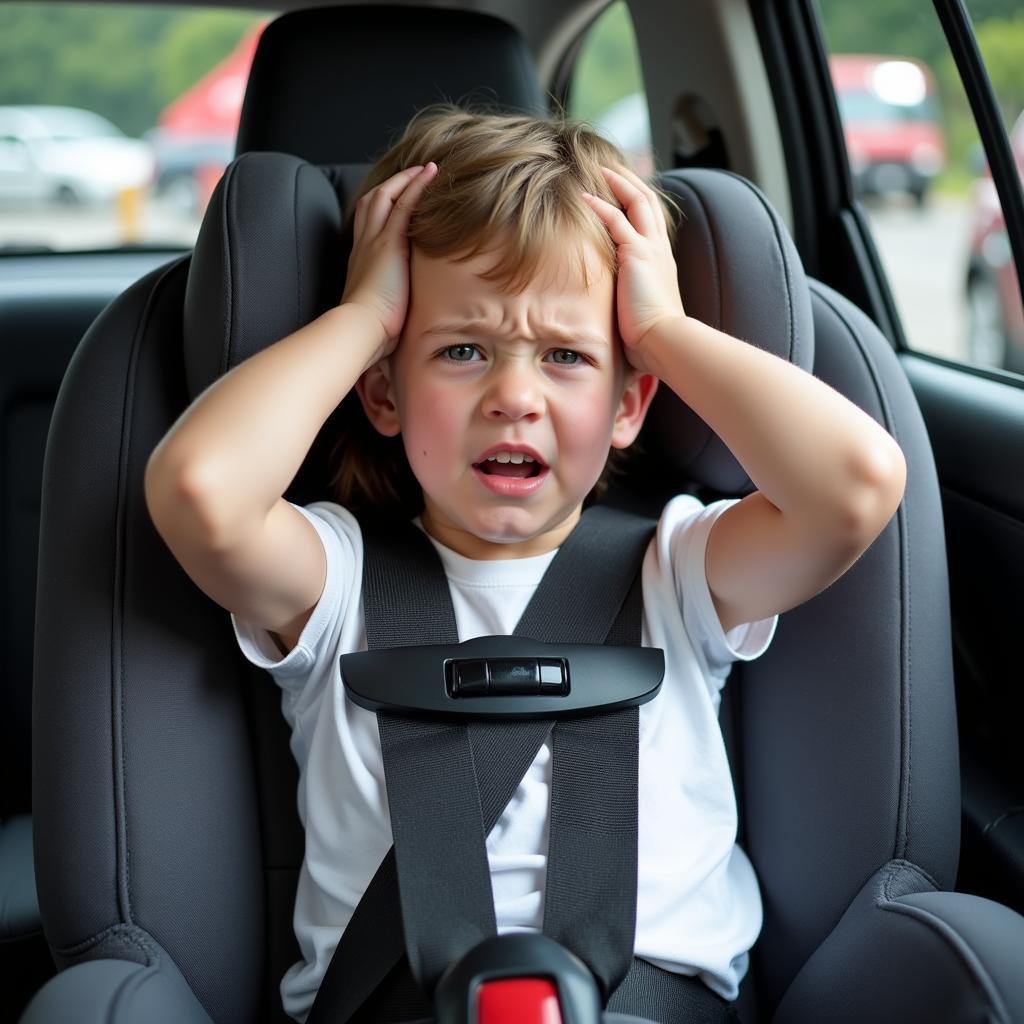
column 213, row 485
column 828, row 476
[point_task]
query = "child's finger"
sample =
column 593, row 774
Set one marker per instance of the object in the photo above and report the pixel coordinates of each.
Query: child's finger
column 635, row 202
column 648, row 190
column 378, row 202
column 617, row 223
column 405, row 204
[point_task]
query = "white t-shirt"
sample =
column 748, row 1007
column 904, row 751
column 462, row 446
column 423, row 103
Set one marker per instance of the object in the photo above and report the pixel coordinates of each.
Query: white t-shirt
column 698, row 904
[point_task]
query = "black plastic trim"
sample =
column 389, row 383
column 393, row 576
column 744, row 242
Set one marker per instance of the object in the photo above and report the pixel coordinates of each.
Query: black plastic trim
column 417, row 681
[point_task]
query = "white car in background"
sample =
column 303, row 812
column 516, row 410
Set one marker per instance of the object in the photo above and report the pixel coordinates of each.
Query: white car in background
column 67, row 155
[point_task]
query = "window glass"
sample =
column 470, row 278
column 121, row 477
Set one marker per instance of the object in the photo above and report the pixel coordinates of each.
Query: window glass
column 116, row 122
column 607, row 87
column 919, row 171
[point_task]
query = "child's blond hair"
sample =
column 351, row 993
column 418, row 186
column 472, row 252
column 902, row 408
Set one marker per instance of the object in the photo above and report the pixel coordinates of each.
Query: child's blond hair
column 507, row 183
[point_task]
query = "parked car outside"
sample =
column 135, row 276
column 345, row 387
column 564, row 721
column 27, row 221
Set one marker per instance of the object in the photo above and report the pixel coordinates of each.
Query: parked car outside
column 67, row 155
column 186, row 165
column 891, row 124
column 995, row 320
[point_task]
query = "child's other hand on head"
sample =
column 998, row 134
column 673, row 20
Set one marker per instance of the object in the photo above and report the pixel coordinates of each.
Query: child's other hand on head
column 378, row 269
column 648, row 285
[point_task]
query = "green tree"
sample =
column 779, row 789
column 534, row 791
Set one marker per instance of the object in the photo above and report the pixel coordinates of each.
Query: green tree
column 1001, row 41
column 193, row 45
column 608, row 67
column 125, row 64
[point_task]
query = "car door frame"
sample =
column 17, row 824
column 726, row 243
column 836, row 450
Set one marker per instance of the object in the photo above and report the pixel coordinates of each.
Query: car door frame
column 974, row 416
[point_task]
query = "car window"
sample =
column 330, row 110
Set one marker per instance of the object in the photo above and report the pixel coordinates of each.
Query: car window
column 919, row 172
column 606, row 88
column 98, row 153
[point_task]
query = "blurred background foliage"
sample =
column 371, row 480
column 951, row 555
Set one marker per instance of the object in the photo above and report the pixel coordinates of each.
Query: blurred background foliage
column 910, row 28
column 128, row 64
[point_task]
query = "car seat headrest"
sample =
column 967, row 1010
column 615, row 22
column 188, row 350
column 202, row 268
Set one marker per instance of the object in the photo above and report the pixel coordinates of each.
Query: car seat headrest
column 740, row 272
column 270, row 257
column 322, row 85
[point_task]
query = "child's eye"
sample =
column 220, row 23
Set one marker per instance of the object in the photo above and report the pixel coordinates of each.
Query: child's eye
column 565, row 357
column 460, row 353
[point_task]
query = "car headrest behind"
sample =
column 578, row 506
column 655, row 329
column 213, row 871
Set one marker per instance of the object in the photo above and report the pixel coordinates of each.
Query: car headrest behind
column 739, row 271
column 325, row 85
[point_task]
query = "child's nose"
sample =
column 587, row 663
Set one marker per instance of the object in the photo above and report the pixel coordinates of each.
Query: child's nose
column 513, row 392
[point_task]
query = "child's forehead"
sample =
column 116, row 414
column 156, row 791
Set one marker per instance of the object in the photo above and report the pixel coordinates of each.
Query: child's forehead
column 575, row 271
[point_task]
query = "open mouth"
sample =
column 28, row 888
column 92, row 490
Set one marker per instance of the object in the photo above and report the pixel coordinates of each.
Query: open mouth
column 517, row 465
column 520, row 470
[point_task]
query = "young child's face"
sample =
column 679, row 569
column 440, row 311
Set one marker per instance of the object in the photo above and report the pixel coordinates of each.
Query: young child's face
column 480, row 371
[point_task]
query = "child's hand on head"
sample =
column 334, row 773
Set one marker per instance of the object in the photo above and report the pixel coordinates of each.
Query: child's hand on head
column 378, row 269
column 647, row 291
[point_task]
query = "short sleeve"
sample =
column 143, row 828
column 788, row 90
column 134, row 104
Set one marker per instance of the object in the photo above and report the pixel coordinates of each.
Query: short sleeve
column 689, row 523
column 339, row 534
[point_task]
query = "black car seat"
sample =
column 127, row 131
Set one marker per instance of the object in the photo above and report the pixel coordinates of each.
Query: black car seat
column 46, row 305
column 167, row 842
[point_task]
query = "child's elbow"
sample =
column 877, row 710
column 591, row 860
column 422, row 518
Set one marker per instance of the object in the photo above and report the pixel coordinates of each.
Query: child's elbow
column 882, row 480
column 176, row 495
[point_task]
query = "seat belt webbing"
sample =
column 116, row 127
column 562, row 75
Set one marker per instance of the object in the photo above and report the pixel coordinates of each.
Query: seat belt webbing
column 407, row 602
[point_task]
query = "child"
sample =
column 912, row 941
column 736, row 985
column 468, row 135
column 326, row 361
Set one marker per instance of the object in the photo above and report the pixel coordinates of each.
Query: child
column 511, row 304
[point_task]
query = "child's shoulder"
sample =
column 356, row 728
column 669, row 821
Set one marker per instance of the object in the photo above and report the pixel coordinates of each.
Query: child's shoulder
column 683, row 528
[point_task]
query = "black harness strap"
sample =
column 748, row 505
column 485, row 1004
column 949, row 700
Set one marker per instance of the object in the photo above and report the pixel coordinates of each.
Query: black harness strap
column 464, row 776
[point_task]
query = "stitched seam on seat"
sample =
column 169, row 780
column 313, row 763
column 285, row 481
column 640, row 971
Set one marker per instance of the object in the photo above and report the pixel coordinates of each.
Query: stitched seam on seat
column 229, row 306
column 298, row 245
column 117, row 651
column 128, row 934
column 983, row 981
column 696, row 196
column 898, row 867
column 776, row 228
column 906, row 726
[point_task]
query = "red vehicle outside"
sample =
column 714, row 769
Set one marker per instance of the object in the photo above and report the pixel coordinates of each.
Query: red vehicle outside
column 890, row 119
column 195, row 137
column 995, row 331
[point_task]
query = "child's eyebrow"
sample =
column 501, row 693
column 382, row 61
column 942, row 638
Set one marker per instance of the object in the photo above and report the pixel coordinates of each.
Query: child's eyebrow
column 568, row 336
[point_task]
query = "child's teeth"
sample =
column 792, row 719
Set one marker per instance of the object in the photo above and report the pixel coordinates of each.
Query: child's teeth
column 516, row 458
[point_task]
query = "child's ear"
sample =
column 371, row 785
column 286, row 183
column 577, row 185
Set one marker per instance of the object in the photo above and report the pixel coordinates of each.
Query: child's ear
column 377, row 394
column 636, row 400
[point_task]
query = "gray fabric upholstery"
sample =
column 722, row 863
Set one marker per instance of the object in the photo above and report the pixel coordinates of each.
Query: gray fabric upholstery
column 146, row 820
column 757, row 292
column 102, row 991
column 904, row 953
column 851, row 713
column 45, row 308
column 245, row 289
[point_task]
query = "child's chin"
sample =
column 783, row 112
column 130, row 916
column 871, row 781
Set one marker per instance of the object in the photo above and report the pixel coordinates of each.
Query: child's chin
column 512, row 526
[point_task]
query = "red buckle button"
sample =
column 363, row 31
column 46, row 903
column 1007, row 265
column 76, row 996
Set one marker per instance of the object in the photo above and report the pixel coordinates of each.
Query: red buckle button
column 518, row 1001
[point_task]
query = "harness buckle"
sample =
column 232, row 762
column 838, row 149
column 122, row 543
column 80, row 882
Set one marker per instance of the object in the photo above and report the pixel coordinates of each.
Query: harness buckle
column 502, row 676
